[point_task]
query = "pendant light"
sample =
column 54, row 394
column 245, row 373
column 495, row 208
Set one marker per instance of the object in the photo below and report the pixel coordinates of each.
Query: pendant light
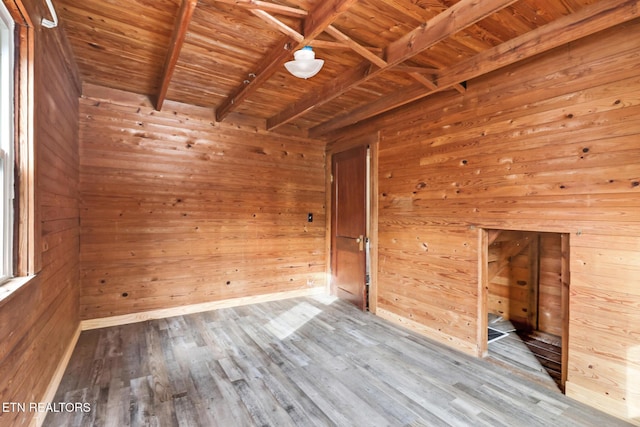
column 304, row 64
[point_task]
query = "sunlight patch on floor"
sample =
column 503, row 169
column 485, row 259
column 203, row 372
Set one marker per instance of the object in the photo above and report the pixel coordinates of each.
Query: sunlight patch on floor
column 292, row 319
column 325, row 299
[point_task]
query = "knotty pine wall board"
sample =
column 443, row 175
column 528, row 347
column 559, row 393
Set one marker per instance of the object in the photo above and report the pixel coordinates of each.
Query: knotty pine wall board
column 178, row 210
column 40, row 319
column 550, row 291
column 548, row 145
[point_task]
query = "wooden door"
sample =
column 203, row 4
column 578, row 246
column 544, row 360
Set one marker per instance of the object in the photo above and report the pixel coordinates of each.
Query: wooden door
column 348, row 225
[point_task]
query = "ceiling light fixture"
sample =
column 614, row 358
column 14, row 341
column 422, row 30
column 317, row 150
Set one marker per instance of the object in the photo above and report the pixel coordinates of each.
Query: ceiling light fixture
column 304, row 64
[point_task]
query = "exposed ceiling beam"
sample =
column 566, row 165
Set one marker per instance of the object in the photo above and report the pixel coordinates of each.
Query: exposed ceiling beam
column 418, row 75
column 315, row 23
column 460, row 87
column 586, row 21
column 344, row 41
column 458, row 17
column 278, row 25
column 416, row 72
column 267, row 7
column 373, row 58
column 411, row 10
column 267, row 66
column 175, row 46
column 355, row 46
column 424, row 81
column 326, row 44
column 323, row 14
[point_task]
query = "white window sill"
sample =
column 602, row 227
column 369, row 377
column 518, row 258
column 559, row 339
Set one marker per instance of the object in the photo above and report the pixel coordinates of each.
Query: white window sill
column 12, row 285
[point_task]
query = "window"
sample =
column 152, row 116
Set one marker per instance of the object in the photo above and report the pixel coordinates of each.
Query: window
column 6, row 141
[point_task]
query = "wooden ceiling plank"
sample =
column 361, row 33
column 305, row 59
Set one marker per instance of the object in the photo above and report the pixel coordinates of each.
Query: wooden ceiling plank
column 315, row 23
column 439, row 29
column 411, row 69
column 589, row 20
column 326, row 44
column 267, row 7
column 175, row 46
column 413, row 10
column 355, row 46
column 458, row 17
column 428, row 9
column 396, row 99
column 278, row 25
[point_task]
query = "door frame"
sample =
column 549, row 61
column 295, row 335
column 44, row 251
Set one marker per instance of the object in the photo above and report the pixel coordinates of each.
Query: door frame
column 337, row 146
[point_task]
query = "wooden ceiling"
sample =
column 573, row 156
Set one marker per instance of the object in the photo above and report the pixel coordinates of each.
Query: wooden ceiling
column 229, row 55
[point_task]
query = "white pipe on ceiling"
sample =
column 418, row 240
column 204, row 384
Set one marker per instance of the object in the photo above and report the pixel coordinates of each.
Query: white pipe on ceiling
column 48, row 23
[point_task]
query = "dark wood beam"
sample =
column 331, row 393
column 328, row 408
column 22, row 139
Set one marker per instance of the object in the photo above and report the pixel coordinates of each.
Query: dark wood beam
column 315, row 23
column 586, row 21
column 421, row 40
column 175, row 46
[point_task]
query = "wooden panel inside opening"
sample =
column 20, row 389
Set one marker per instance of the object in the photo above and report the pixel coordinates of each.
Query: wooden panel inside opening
column 524, row 279
column 525, row 283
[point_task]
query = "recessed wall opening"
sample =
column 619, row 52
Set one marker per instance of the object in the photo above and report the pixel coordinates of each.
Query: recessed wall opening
column 526, row 281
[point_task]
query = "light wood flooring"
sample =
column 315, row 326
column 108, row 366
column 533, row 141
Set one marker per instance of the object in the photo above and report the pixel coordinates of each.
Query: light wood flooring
column 298, row 362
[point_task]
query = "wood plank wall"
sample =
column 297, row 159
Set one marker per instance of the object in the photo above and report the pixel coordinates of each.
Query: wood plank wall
column 39, row 321
column 550, row 284
column 177, row 209
column 550, row 144
column 509, row 267
column 525, row 283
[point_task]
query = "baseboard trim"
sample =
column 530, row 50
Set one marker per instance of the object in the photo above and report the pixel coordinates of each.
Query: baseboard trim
column 435, row 335
column 125, row 319
column 52, row 388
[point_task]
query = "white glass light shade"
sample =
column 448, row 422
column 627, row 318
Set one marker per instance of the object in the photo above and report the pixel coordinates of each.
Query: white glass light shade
column 304, row 64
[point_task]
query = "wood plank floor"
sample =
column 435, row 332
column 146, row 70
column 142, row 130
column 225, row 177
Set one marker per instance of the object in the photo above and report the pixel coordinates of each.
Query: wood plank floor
column 521, row 353
column 298, row 362
column 547, row 348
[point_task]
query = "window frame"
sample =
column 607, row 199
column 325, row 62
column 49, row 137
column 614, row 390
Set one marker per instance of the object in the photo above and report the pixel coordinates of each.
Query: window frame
column 7, row 145
column 26, row 259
